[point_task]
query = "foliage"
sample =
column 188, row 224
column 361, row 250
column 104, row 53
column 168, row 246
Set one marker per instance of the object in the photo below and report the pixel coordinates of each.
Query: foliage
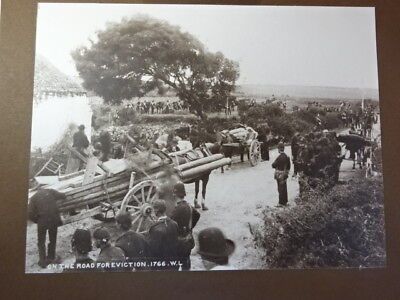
column 139, row 55
column 340, row 228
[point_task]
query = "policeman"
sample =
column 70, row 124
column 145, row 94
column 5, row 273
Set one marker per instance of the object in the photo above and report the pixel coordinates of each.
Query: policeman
column 282, row 167
column 186, row 216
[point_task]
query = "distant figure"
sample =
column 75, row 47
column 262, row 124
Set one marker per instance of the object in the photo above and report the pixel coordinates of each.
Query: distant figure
column 186, row 216
column 108, row 253
column 43, row 210
column 215, row 249
column 282, row 167
column 81, row 244
column 80, row 140
column 163, row 237
column 134, row 244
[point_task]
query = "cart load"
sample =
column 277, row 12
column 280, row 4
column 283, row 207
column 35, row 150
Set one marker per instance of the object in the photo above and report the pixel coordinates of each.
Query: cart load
column 129, row 184
column 240, row 140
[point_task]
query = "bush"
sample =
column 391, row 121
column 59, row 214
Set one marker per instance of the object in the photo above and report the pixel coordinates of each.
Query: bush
column 340, row 228
column 332, row 120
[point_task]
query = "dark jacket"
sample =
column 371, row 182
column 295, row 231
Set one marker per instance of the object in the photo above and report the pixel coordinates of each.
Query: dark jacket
column 133, row 244
column 43, row 208
column 282, row 162
column 111, row 254
column 163, row 239
column 80, row 140
column 182, row 214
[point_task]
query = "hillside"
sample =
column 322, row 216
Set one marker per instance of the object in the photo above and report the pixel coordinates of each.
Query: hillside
column 256, row 90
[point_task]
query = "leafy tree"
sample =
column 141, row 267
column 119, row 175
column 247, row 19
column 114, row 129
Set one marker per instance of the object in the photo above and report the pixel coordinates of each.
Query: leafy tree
column 138, row 55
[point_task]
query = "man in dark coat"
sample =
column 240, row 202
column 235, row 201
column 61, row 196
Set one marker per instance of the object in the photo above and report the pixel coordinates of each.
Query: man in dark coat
column 163, row 237
column 186, row 216
column 80, row 140
column 133, row 244
column 43, row 210
column 282, row 167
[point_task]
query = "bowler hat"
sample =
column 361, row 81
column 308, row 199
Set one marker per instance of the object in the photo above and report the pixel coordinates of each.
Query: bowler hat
column 81, row 241
column 81, row 127
column 213, row 244
column 101, row 234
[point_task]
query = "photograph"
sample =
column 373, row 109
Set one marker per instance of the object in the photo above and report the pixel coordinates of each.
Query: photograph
column 177, row 137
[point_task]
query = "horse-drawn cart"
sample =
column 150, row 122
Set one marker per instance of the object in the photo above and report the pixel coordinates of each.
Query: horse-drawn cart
column 241, row 140
column 130, row 184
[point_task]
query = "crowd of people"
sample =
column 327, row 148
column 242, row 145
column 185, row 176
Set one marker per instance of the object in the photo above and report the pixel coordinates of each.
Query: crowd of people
column 317, row 156
column 167, row 245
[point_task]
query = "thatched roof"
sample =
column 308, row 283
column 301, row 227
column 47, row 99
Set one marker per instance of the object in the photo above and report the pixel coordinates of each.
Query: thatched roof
column 50, row 79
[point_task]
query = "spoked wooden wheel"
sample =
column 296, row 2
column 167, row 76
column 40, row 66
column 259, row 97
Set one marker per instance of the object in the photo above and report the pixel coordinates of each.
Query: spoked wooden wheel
column 255, row 152
column 138, row 203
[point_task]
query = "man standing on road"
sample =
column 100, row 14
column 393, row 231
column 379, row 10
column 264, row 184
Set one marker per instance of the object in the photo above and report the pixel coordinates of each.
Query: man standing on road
column 282, row 167
column 186, row 217
column 43, row 211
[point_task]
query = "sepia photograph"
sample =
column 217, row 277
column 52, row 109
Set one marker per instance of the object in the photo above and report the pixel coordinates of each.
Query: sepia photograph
column 204, row 138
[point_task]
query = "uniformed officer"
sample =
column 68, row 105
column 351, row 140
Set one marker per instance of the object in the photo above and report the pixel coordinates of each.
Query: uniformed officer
column 282, row 167
column 163, row 236
column 186, row 216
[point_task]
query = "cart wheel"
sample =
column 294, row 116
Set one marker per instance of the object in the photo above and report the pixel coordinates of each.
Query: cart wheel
column 255, row 153
column 138, row 203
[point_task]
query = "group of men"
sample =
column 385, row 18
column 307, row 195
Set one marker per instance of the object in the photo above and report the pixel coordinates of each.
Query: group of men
column 167, row 245
column 152, row 107
column 316, row 161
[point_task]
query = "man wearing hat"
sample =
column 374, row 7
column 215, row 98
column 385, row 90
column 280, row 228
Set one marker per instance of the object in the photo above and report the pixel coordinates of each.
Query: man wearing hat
column 163, row 235
column 215, row 249
column 80, row 140
column 186, row 216
column 133, row 244
column 43, row 210
column 282, row 167
column 108, row 253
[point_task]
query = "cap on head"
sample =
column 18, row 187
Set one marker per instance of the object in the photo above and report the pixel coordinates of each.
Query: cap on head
column 159, row 206
column 214, row 245
column 82, row 241
column 179, row 189
column 281, row 146
column 81, row 127
column 101, row 234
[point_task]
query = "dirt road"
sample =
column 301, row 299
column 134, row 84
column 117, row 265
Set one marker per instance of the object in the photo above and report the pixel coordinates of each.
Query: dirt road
column 236, row 199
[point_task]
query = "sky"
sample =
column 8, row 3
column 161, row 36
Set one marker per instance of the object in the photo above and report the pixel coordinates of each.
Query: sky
column 303, row 46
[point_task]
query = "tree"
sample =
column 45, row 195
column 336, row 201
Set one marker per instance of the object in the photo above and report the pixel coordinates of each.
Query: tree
column 138, row 55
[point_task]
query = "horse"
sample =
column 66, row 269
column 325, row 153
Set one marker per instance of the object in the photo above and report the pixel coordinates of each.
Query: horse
column 203, row 151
